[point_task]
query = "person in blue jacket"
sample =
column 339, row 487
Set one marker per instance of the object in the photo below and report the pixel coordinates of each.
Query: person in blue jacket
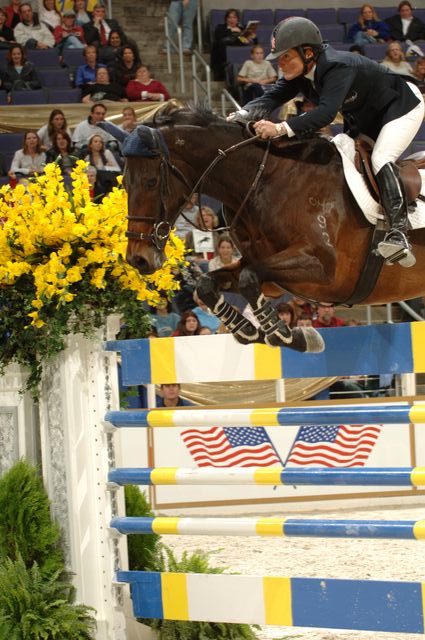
column 368, row 29
column 372, row 100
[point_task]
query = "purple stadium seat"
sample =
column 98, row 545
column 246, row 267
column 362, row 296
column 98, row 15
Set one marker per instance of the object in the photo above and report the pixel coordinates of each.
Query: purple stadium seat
column 55, row 78
column 237, row 55
column 342, row 46
column 322, row 16
column 3, row 97
column 386, row 12
column 375, row 51
column 10, row 142
column 332, row 32
column 36, row 96
column 264, row 34
column 420, row 13
column 64, row 96
column 265, row 16
column 4, row 180
column 3, row 54
column 349, row 15
column 282, row 14
column 73, row 57
column 43, row 57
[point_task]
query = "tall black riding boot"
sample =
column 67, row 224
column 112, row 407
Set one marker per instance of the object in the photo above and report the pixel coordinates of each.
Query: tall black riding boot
column 395, row 247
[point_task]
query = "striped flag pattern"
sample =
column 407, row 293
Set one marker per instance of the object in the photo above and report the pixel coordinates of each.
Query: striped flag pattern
column 334, row 445
column 231, row 447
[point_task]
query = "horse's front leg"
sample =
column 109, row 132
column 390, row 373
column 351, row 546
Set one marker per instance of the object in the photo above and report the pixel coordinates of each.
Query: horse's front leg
column 277, row 332
column 208, row 291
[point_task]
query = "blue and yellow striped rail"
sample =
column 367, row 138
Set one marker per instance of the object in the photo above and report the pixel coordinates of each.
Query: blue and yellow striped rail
column 319, row 476
column 372, row 413
column 367, row 605
column 291, row 527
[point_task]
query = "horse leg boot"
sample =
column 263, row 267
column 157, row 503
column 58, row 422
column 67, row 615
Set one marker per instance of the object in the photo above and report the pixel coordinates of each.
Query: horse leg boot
column 242, row 329
column 277, row 332
column 395, row 247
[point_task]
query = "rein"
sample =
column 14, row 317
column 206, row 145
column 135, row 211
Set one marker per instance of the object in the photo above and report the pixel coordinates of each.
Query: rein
column 162, row 229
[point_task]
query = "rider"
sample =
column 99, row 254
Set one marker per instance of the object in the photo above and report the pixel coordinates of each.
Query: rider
column 373, row 101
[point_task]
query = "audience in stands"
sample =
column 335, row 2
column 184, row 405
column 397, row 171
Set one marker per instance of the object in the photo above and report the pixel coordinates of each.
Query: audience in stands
column 184, row 222
column 82, row 16
column 13, row 13
column 30, row 32
column 96, row 189
column 67, row 34
column 302, row 307
column 86, row 72
column 404, row 25
column 103, row 89
column 19, row 74
column 100, row 157
column 419, row 73
column 164, row 320
column 326, row 316
column 108, row 54
column 61, row 152
column 56, row 124
column 48, row 14
column 6, row 33
column 98, row 29
column 368, row 28
column 146, row 89
column 231, row 33
column 88, row 127
column 225, row 253
column 129, row 119
column 184, row 12
column 202, row 240
column 206, row 318
column 171, row 397
column 395, row 60
column 304, row 320
column 189, row 324
column 28, row 160
column 286, row 313
column 127, row 62
column 255, row 74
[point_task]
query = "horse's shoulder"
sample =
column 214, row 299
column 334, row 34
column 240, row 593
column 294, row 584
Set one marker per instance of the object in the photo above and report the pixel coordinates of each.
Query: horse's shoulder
column 316, row 150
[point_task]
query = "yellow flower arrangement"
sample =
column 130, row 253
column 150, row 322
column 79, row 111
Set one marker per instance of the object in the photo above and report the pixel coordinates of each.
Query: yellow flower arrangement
column 62, row 253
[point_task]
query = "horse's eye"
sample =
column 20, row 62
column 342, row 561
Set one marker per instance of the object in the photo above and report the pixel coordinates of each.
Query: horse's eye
column 151, row 183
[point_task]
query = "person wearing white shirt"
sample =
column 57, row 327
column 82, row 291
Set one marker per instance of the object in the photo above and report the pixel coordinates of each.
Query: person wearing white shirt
column 30, row 33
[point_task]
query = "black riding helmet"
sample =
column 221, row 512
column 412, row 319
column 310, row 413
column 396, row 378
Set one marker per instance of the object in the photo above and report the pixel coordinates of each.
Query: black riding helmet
column 295, row 33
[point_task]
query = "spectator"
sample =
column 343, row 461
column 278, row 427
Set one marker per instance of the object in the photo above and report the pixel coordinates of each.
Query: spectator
column 256, row 74
column 302, row 307
column 19, row 74
column 30, row 159
column 164, row 320
column 146, row 89
column 67, row 34
column 201, row 253
column 404, row 25
column 231, row 33
column 129, row 119
column 326, row 316
column 184, row 12
column 396, row 62
column 126, row 64
column 419, row 73
column 108, row 54
column 6, row 33
column 82, row 16
column 88, row 127
column 185, row 220
column 225, row 254
column 98, row 29
column 100, row 157
column 103, row 89
column 61, row 153
column 189, row 325
column 171, row 396
column 13, row 14
column 304, row 320
column 206, row 318
column 48, row 14
column 56, row 124
column 368, row 28
column 30, row 32
column 286, row 313
column 95, row 188
column 86, row 72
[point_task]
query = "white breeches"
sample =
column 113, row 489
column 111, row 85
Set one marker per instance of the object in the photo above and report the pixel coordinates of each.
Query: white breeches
column 396, row 135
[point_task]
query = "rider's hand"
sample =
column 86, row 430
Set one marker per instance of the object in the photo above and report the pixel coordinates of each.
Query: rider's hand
column 266, row 129
column 237, row 115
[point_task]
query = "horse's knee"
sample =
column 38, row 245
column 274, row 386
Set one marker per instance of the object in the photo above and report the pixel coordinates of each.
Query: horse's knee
column 206, row 289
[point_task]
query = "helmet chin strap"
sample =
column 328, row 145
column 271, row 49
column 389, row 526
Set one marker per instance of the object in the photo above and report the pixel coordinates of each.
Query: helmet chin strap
column 306, row 61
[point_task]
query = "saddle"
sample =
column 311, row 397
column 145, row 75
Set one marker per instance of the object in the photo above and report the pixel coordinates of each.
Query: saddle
column 409, row 170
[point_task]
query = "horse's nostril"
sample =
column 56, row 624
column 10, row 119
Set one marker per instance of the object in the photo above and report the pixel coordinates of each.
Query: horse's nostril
column 141, row 264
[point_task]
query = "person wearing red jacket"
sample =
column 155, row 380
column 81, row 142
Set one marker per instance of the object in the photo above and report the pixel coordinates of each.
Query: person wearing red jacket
column 326, row 317
column 144, row 88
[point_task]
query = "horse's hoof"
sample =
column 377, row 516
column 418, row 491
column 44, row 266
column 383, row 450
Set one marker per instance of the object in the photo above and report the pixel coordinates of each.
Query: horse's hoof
column 310, row 338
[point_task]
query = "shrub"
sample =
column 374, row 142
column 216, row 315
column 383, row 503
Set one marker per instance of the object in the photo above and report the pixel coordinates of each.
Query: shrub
column 143, row 549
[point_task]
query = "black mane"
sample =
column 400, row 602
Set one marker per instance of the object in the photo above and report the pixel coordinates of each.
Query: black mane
column 196, row 115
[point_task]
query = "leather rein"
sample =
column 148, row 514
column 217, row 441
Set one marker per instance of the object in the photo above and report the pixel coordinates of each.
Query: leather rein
column 161, row 227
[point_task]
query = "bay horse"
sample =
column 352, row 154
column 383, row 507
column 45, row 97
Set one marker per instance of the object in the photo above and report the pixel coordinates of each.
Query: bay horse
column 289, row 211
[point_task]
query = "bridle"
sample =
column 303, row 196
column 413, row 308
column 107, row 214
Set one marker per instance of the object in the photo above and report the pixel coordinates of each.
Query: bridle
column 161, row 228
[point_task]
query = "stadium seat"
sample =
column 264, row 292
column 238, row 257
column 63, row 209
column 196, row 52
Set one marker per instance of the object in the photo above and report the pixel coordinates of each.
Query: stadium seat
column 386, row 12
column 10, row 142
column 333, row 32
column 342, row 46
column 55, row 78
column 215, row 17
column 322, row 16
column 43, row 57
column 3, row 97
column 73, row 57
column 264, row 34
column 265, row 16
column 348, row 16
column 4, row 180
column 35, row 96
column 64, row 96
column 420, row 13
column 3, row 54
column 237, row 55
column 282, row 14
column 375, row 51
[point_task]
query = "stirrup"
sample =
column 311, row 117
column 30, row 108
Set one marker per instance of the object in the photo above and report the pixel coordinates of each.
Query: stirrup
column 396, row 249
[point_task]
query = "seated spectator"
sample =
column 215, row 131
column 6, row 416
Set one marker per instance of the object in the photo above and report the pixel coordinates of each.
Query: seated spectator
column 171, row 397
column 164, row 320
column 302, row 307
column 395, row 60
column 100, row 157
column 29, row 160
column 304, row 320
column 125, row 66
column 256, row 74
column 67, row 34
column 189, row 325
column 13, row 14
column 108, row 54
column 404, row 25
column 86, row 72
column 204, row 219
column 30, row 32
column 419, row 73
column 231, row 33
column 56, row 124
column 48, row 14
column 206, row 318
column 82, row 16
column 188, row 215
column 225, row 254
column 286, row 313
column 6, row 33
column 368, row 28
column 326, row 316
column 146, row 89
column 88, row 127
column 19, row 74
column 103, row 89
column 129, row 119
column 61, row 153
column 98, row 29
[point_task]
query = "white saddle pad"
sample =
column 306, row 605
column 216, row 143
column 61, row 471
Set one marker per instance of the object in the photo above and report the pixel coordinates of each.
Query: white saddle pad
column 371, row 209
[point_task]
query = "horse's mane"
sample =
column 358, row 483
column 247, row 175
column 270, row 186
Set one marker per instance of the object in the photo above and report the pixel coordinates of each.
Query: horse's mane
column 196, row 115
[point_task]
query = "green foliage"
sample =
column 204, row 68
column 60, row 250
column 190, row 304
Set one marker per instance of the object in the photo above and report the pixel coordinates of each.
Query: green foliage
column 26, row 528
column 181, row 630
column 142, row 550
column 35, row 608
